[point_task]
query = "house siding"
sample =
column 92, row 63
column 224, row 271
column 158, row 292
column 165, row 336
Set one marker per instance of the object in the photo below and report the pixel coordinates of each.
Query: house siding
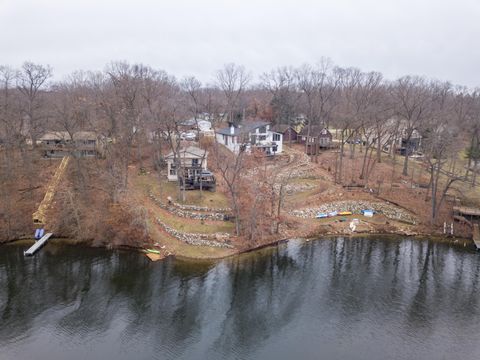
column 261, row 137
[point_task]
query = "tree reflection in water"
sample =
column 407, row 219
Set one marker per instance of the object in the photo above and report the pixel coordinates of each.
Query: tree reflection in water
column 339, row 298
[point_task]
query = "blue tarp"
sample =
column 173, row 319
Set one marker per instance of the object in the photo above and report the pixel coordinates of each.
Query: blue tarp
column 39, row 233
column 368, row 213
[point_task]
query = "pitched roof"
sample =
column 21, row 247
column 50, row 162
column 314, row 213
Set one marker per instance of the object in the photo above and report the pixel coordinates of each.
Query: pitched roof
column 191, row 152
column 315, row 130
column 64, row 135
column 243, row 128
column 281, row 128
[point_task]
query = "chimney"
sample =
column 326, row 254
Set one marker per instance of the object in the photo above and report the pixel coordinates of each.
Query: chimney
column 232, row 129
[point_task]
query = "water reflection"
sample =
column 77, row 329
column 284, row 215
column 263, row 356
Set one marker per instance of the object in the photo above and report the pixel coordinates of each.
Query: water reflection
column 336, row 298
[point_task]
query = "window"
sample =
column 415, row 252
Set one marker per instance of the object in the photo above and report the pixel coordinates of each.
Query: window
column 276, row 137
column 195, row 162
column 262, row 129
column 173, row 170
column 262, row 137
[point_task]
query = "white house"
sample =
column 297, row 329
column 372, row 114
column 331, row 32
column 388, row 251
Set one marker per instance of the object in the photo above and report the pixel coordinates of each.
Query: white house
column 250, row 135
column 192, row 159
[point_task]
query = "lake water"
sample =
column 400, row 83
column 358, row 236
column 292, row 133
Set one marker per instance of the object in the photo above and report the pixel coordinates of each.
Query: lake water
column 328, row 299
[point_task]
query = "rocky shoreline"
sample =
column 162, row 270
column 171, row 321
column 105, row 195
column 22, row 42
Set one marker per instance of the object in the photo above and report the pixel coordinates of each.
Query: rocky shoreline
column 390, row 211
column 206, row 240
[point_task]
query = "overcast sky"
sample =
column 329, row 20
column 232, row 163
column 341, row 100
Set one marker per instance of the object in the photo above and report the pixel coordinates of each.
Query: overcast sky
column 436, row 38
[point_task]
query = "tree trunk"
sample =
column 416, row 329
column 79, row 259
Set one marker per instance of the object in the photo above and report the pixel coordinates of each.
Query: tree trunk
column 379, row 149
column 474, row 179
column 405, row 164
column 340, row 165
column 470, row 158
column 362, row 174
column 435, row 180
column 369, row 167
column 394, row 163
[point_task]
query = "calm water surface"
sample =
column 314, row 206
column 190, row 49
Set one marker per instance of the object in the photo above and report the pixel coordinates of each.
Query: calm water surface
column 328, row 299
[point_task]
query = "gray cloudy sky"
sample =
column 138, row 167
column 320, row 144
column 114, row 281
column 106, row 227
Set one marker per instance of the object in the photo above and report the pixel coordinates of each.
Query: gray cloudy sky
column 437, row 38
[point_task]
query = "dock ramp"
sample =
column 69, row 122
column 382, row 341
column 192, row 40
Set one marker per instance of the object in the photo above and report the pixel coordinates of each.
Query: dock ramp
column 38, row 244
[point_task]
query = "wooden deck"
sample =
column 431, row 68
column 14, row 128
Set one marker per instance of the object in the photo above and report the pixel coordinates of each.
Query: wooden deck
column 466, row 211
column 476, row 236
column 38, row 244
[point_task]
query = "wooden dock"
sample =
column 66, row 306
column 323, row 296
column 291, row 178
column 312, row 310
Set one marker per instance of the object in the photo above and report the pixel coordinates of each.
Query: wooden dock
column 38, row 244
column 476, row 236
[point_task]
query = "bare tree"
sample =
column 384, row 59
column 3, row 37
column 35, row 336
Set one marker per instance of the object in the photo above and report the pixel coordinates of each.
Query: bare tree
column 375, row 127
column 126, row 80
column 357, row 94
column 232, row 80
column 281, row 84
column 412, row 104
column 466, row 109
column 192, row 87
column 441, row 141
column 31, row 80
column 9, row 134
column 231, row 168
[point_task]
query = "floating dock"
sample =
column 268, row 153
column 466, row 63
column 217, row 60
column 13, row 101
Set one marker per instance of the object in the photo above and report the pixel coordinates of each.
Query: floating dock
column 38, row 244
column 476, row 236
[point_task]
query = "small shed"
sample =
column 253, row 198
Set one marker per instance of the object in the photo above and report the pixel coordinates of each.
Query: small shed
column 317, row 133
column 290, row 135
column 317, row 138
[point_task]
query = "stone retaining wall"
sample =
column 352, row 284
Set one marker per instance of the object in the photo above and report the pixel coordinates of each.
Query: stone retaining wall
column 220, row 240
column 293, row 188
column 389, row 210
column 182, row 212
column 201, row 208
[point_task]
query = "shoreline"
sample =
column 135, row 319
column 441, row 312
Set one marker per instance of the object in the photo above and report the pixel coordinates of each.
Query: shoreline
column 450, row 240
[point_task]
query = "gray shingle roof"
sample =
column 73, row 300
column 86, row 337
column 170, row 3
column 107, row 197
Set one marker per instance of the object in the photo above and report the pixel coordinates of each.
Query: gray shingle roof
column 191, row 152
column 281, row 128
column 243, row 128
column 315, row 130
